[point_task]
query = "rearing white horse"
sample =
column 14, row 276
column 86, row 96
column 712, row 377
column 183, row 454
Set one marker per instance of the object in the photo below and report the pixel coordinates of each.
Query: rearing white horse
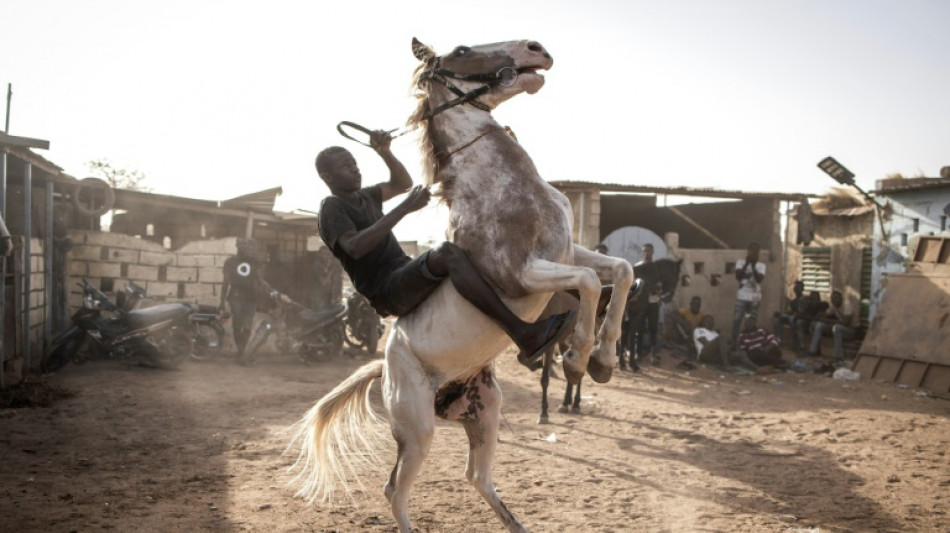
column 517, row 230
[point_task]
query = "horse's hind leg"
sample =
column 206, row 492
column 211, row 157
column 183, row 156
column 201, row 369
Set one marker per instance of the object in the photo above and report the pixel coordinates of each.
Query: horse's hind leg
column 478, row 408
column 566, row 402
column 413, row 425
column 545, row 379
column 576, row 406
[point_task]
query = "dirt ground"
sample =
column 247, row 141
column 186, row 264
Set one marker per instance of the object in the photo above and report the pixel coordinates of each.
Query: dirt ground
column 200, row 449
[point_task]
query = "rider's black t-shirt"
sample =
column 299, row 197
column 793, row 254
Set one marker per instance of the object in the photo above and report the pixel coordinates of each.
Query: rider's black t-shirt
column 338, row 216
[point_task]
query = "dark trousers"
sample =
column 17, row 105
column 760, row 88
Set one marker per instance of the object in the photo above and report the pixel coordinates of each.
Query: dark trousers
column 648, row 324
column 242, row 317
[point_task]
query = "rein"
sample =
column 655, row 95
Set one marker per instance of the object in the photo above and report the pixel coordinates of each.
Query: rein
column 504, row 77
column 473, row 141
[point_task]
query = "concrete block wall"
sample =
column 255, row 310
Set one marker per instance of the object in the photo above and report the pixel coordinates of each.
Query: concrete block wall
column 109, row 260
column 719, row 297
column 14, row 364
column 37, row 299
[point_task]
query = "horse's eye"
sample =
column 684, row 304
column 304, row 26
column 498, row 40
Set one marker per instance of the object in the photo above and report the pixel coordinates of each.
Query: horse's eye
column 461, row 51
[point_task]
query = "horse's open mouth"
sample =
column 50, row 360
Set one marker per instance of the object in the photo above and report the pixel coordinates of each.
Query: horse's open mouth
column 530, row 70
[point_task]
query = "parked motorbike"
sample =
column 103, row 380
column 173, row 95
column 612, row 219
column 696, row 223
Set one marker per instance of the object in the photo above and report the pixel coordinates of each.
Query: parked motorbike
column 207, row 324
column 363, row 325
column 159, row 335
column 320, row 335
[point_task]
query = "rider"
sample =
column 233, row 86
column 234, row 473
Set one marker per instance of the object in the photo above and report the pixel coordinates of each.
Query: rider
column 353, row 226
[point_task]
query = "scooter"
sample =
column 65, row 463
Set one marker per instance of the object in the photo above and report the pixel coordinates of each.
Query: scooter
column 314, row 335
column 160, row 335
column 206, row 323
column 363, row 324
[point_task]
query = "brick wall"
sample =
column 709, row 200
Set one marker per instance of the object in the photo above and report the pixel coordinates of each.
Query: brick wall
column 14, row 363
column 108, row 260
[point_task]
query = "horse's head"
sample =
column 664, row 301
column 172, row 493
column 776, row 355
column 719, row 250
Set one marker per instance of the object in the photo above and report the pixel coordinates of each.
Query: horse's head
column 486, row 74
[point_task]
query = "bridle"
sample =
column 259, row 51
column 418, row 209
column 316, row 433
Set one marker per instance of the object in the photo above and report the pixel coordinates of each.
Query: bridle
column 504, row 77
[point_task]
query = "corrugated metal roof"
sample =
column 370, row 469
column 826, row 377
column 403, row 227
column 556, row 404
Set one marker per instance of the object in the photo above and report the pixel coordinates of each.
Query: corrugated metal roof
column 679, row 191
column 890, row 186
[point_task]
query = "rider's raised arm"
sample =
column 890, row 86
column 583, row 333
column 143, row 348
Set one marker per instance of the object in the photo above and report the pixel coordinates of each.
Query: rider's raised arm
column 356, row 244
column 399, row 178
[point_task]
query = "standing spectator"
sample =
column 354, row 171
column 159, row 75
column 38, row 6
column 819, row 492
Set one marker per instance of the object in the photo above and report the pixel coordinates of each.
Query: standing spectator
column 647, row 321
column 749, row 273
column 242, row 281
column 809, row 310
column 840, row 320
column 792, row 308
column 759, row 346
column 683, row 321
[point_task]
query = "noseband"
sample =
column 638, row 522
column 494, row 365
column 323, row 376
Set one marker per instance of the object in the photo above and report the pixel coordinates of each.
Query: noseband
column 504, row 77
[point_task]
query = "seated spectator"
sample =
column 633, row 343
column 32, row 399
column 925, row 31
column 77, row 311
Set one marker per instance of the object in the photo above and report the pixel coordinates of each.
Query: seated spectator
column 712, row 349
column 681, row 323
column 760, row 347
column 792, row 307
column 840, row 320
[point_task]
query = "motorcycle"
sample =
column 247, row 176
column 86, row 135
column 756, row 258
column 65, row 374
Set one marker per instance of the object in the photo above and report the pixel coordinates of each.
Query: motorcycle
column 158, row 335
column 320, row 335
column 363, row 324
column 207, row 324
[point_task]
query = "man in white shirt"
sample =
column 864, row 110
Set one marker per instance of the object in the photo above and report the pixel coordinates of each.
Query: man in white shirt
column 749, row 273
column 840, row 319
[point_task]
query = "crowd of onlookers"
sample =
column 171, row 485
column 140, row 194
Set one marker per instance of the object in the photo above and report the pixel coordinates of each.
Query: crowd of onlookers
column 691, row 333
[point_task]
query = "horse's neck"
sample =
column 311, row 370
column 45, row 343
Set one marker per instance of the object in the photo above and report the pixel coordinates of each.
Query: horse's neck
column 457, row 128
column 495, row 192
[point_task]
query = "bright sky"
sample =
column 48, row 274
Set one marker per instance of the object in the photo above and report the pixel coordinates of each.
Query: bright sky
column 214, row 99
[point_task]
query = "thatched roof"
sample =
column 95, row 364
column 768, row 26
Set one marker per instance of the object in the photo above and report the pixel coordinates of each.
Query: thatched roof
column 841, row 202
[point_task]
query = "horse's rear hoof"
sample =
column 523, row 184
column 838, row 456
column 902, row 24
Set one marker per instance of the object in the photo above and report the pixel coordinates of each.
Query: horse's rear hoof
column 543, row 419
column 598, row 372
column 562, row 409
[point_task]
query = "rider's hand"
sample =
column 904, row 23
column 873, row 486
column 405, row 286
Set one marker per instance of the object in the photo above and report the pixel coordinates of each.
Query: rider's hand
column 380, row 140
column 417, row 198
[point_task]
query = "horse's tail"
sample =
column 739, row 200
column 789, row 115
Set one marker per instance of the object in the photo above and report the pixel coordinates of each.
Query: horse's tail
column 338, row 437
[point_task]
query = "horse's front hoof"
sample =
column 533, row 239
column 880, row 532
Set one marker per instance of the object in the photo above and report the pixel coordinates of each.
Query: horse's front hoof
column 543, row 419
column 562, row 409
column 598, row 372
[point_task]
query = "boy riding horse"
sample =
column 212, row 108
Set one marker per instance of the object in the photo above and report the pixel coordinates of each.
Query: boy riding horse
column 354, row 228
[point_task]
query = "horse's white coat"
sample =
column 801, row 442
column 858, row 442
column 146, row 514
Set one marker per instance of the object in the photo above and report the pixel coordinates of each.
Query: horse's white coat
column 517, row 230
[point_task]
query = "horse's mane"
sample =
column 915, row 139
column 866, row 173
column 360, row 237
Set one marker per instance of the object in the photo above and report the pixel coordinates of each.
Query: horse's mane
column 430, row 160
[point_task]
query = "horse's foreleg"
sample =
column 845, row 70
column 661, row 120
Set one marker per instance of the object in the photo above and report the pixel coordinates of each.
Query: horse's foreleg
column 476, row 404
column 621, row 274
column 546, row 276
column 413, row 426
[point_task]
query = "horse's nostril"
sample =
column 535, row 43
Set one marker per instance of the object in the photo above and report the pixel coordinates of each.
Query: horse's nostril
column 535, row 46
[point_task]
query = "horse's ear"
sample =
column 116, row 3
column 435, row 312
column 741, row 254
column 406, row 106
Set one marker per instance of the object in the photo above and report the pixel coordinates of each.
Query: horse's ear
column 422, row 52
